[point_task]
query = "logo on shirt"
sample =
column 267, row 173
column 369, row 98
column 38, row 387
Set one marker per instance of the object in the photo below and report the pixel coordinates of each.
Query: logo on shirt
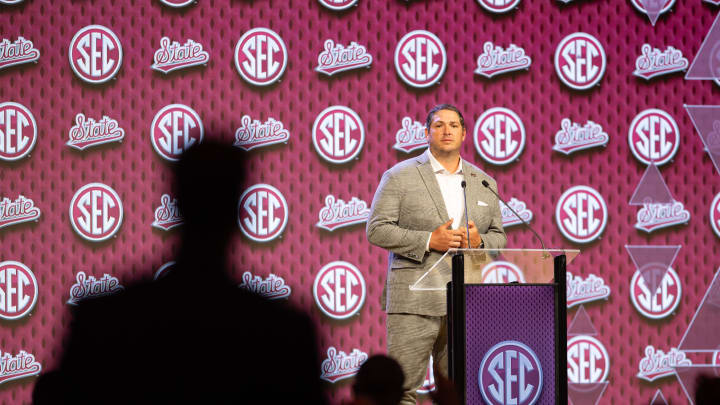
column 653, row 137
column 497, row 60
column 498, row 6
column 174, row 56
column 338, row 214
column 96, row 212
column 95, row 54
column 338, row 4
column 273, row 287
column 87, row 132
column 175, row 128
column 653, row 62
column 338, row 134
column 338, row 365
column 715, row 214
column 580, row 61
column 509, row 218
column 18, row 131
column 499, row 136
column 261, row 56
column 420, row 59
column 15, row 212
column 18, row 290
column 510, row 373
column 657, row 364
column 21, row 365
column 581, row 214
column 572, row 137
column 411, row 137
column 255, row 134
column 167, row 215
column 580, row 291
column 262, row 213
column 502, row 272
column 588, row 360
column 338, row 58
column 660, row 303
column 89, row 287
column 18, row 52
column 339, row 290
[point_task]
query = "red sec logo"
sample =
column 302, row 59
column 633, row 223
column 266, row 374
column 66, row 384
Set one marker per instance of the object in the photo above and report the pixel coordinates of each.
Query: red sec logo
column 339, row 290
column 262, row 213
column 661, row 303
column 18, row 131
column 261, row 56
column 498, row 6
column 18, row 290
column 96, row 212
column 581, row 214
column 420, row 59
column 587, row 359
column 177, row 3
column 580, row 61
column 338, row 4
column 654, row 137
column 338, row 134
column 499, row 136
column 715, row 215
column 95, row 54
column 502, row 272
column 175, row 128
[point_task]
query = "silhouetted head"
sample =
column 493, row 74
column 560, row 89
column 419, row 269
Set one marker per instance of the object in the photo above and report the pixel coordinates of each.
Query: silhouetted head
column 380, row 379
column 708, row 390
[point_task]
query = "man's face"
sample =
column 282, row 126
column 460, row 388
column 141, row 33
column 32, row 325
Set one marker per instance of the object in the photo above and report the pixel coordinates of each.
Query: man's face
column 445, row 134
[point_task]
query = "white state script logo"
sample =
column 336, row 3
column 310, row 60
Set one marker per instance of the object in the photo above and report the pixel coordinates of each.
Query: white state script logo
column 499, row 136
column 580, row 291
column 654, row 216
column 580, row 61
column 338, row 58
column 18, row 211
column 18, row 290
column 411, row 137
column 581, row 214
column 89, row 287
column 715, row 214
column 339, row 290
column 654, row 62
column 654, row 137
column 173, row 56
column 175, row 128
column 95, row 54
column 510, row 219
column 261, row 56
column 255, row 134
column 337, row 213
column 18, row 52
column 21, row 365
column 658, row 364
column 18, row 131
column 262, row 213
column 587, row 359
column 496, row 60
column 167, row 215
column 339, row 366
column 572, row 137
column 87, row 132
column 420, row 59
column 273, row 287
column 663, row 301
column 96, row 212
column 338, row 4
column 338, row 134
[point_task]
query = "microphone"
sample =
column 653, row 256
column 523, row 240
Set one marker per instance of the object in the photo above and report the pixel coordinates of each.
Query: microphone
column 486, row 184
column 467, row 224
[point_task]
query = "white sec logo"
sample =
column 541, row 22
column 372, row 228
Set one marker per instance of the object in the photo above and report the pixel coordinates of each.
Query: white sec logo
column 95, row 54
column 262, row 213
column 715, row 215
column 338, row 4
column 654, row 137
column 18, row 131
column 177, row 3
column 588, row 360
column 581, row 214
column 502, row 272
column 661, row 303
column 338, row 134
column 18, row 290
column 175, row 128
column 498, row 6
column 580, row 61
column 96, row 212
column 420, row 59
column 261, row 56
column 499, row 136
column 339, row 290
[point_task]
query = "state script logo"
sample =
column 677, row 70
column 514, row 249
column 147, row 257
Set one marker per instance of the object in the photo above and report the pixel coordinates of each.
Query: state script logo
column 588, row 360
column 572, row 137
column 261, row 56
column 95, row 54
column 509, row 219
column 273, row 287
column 175, row 128
column 15, row 212
column 580, row 291
column 420, row 59
column 663, row 301
column 499, row 136
column 173, row 56
column 715, row 215
column 657, row 364
column 18, row 52
column 496, row 60
column 338, row 134
column 411, row 137
column 654, row 216
column 21, row 365
column 581, row 214
column 580, row 61
column 18, row 131
column 653, row 62
column 338, row 214
column 339, row 290
column 262, row 213
column 87, row 132
column 89, row 287
column 510, row 373
column 653, row 137
column 96, row 212
column 167, row 215
column 339, row 365
column 255, row 134
column 18, row 290
column 337, row 58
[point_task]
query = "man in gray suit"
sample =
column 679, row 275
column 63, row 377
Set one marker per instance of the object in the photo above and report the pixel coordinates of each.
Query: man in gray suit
column 418, row 213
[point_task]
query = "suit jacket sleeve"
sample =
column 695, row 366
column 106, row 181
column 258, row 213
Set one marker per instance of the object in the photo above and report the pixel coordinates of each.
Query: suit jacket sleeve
column 494, row 237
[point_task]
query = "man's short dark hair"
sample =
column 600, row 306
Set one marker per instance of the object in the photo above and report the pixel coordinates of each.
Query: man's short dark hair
column 444, row 107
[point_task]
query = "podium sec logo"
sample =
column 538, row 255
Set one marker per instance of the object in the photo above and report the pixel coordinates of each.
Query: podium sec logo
column 338, row 134
column 663, row 301
column 580, row 61
column 262, row 213
column 499, row 136
column 339, row 290
column 175, row 128
column 653, row 137
column 95, row 54
column 510, row 373
column 18, row 290
column 96, row 212
column 261, row 56
column 420, row 59
column 581, row 214
column 588, row 360
column 18, row 131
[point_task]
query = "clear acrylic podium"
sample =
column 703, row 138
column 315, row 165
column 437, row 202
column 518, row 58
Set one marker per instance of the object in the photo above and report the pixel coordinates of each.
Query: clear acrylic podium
column 498, row 298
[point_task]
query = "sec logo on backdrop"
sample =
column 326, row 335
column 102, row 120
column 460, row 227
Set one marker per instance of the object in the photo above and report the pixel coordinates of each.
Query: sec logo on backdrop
column 420, row 59
column 499, row 136
column 18, row 131
column 715, row 214
column 580, row 61
column 96, row 212
column 261, row 56
column 510, row 373
column 175, row 128
column 177, row 3
column 498, row 6
column 339, row 290
column 653, row 137
column 95, row 54
column 262, row 213
column 338, row 4
column 581, row 214
column 502, row 272
column 658, row 304
column 588, row 360
column 18, row 290
column 338, row 134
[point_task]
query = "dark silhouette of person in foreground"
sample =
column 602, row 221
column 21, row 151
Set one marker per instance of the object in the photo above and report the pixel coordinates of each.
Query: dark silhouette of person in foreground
column 378, row 382
column 192, row 336
column 708, row 390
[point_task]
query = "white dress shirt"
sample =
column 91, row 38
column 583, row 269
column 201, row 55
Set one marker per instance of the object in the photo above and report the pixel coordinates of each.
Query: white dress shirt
column 451, row 190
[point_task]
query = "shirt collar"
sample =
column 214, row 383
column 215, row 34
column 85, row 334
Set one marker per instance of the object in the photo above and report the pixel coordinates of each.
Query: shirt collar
column 438, row 167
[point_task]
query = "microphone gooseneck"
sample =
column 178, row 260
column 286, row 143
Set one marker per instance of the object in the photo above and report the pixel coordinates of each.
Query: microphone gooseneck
column 467, row 220
column 486, row 184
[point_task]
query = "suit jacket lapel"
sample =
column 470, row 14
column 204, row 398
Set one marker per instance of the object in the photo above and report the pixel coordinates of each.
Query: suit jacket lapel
column 428, row 177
